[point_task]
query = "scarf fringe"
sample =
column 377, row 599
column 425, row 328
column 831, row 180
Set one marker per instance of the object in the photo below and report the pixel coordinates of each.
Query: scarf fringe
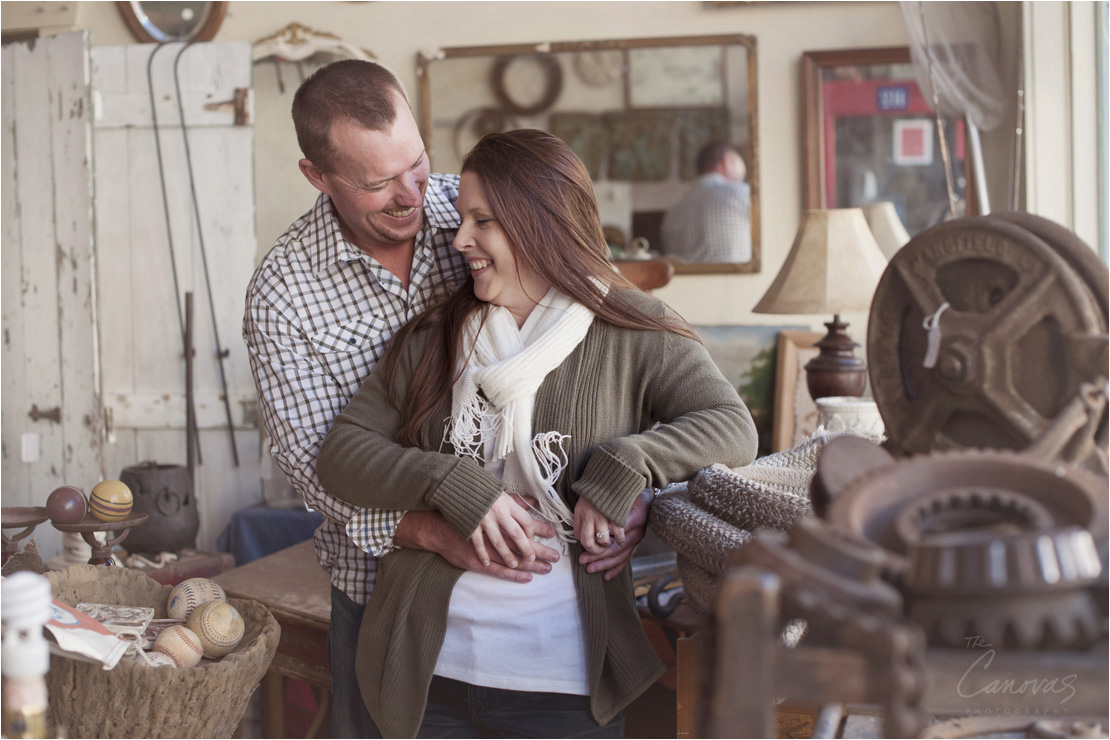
column 509, row 368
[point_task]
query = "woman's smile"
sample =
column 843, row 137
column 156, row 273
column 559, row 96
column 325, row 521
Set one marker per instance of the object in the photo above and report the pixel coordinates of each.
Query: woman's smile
column 499, row 277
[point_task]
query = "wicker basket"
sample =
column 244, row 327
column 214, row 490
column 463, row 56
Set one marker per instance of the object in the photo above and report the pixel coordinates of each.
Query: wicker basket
column 135, row 700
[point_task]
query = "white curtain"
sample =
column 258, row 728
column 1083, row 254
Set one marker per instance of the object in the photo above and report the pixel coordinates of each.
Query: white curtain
column 955, row 49
column 960, row 42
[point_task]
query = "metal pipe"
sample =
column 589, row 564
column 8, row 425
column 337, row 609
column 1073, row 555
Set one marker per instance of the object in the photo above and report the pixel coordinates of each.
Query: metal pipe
column 221, row 353
column 191, row 431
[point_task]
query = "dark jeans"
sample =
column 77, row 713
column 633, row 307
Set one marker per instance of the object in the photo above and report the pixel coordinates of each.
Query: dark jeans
column 456, row 710
column 349, row 718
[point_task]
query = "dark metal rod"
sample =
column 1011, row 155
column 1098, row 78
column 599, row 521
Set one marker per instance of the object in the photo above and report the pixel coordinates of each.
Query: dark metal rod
column 195, row 439
column 192, row 434
column 220, row 352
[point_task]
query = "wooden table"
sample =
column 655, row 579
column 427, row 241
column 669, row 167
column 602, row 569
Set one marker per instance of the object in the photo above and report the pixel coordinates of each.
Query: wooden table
column 296, row 590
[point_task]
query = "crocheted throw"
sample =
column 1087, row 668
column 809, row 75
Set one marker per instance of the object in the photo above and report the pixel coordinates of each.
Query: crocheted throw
column 711, row 516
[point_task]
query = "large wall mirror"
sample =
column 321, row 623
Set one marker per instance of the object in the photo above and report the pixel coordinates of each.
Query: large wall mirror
column 635, row 110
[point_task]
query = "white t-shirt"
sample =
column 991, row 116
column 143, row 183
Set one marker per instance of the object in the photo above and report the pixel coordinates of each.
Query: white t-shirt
column 517, row 636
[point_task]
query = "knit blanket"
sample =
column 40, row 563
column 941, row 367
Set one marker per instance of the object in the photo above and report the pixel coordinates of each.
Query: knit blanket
column 709, row 517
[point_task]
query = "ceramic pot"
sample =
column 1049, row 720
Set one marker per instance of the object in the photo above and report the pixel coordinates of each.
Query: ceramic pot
column 165, row 494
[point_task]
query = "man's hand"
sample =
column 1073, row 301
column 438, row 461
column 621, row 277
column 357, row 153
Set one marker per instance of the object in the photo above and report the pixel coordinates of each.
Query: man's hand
column 612, row 559
column 428, row 530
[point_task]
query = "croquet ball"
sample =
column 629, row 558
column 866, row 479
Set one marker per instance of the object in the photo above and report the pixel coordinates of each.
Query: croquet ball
column 111, row 500
column 66, row 505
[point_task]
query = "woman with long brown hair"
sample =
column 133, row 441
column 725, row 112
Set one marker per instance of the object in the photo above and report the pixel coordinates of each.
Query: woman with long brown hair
column 549, row 387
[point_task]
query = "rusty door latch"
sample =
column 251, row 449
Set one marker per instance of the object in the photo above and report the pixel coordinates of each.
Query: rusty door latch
column 54, row 414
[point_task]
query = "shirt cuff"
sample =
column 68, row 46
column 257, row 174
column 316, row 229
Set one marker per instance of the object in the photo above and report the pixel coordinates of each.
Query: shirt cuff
column 372, row 530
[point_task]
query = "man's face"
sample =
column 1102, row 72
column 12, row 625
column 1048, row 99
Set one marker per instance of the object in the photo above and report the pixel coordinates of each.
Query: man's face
column 377, row 184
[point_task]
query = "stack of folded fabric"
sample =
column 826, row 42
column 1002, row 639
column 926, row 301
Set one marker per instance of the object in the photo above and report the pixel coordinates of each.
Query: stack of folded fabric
column 711, row 516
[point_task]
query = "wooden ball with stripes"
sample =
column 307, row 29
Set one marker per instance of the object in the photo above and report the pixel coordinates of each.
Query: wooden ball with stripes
column 111, row 501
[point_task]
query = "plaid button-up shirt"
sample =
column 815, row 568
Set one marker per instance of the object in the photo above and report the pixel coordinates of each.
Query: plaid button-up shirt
column 711, row 223
column 319, row 315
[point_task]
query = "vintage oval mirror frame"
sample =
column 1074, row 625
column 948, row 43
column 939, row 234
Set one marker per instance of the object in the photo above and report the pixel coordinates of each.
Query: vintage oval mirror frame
column 145, row 28
column 677, row 84
column 887, row 99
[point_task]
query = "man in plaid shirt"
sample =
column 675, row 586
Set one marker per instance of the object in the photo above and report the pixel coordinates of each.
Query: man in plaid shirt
column 712, row 222
column 373, row 252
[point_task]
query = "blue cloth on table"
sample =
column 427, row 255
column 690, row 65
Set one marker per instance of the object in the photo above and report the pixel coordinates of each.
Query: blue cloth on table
column 258, row 531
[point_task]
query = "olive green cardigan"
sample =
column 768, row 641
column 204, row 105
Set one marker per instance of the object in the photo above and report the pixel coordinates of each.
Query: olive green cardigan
column 607, row 395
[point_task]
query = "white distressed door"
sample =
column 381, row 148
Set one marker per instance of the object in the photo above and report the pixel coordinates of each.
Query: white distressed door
column 51, row 393
column 142, row 358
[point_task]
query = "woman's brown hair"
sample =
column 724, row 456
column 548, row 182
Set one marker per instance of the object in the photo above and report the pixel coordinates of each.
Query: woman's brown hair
column 543, row 199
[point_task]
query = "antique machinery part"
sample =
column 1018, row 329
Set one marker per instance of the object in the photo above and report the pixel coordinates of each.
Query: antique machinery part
column 961, row 323
column 1026, row 590
column 1001, row 489
column 895, row 651
column 1082, row 259
column 832, row 581
column 963, row 508
column 1092, row 271
column 828, row 565
column 843, row 460
column 657, row 607
column 1076, row 432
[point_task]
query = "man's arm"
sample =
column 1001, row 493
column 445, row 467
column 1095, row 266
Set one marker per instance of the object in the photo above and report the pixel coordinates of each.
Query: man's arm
column 428, row 530
column 299, row 399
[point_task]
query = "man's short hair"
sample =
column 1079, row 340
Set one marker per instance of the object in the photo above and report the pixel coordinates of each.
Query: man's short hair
column 354, row 89
column 710, row 154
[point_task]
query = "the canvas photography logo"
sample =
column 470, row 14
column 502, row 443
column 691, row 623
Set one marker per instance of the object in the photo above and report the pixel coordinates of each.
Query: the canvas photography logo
column 994, row 686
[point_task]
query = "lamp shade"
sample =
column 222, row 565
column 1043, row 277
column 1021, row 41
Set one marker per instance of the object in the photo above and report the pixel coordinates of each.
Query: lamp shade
column 833, row 267
column 885, row 225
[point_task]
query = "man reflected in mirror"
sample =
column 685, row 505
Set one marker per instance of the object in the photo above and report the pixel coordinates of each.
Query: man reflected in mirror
column 712, row 222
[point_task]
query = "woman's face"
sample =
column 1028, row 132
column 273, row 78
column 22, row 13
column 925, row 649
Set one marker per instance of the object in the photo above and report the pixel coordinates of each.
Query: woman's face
column 498, row 277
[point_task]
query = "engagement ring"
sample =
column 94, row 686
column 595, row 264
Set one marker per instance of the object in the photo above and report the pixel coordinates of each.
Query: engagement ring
column 602, row 535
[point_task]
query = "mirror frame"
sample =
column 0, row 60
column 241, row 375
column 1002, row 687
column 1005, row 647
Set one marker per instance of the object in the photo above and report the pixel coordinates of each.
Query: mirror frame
column 424, row 62
column 813, row 62
column 207, row 31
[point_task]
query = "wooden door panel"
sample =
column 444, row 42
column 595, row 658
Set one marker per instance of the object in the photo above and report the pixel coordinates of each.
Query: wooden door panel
column 144, row 374
column 49, row 331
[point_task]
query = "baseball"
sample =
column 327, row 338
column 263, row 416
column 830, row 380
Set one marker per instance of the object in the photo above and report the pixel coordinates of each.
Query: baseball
column 154, row 660
column 219, row 627
column 181, row 644
column 188, row 595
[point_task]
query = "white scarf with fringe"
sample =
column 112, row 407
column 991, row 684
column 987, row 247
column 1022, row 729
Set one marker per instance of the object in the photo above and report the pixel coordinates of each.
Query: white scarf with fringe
column 508, row 365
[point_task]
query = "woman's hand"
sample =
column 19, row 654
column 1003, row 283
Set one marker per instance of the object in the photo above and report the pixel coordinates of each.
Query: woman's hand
column 593, row 529
column 506, row 522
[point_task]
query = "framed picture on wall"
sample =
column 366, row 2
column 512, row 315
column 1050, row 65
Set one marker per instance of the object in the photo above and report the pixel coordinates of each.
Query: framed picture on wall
column 913, row 143
column 795, row 409
column 668, row 77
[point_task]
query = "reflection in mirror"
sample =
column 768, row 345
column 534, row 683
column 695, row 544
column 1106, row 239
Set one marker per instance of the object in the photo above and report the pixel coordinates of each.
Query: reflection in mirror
column 871, row 137
column 636, row 111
